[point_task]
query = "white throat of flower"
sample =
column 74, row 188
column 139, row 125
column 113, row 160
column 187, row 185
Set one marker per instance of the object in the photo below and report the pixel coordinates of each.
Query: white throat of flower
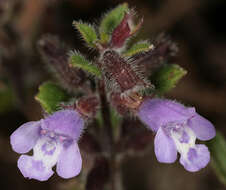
column 47, row 150
column 184, row 139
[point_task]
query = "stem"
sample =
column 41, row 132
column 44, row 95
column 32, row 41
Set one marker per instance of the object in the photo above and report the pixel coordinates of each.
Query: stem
column 113, row 166
column 108, row 131
column 118, row 179
column 105, row 111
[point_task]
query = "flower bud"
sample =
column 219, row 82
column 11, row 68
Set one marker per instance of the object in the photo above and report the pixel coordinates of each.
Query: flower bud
column 56, row 56
column 124, row 30
column 87, row 106
column 120, row 75
column 126, row 103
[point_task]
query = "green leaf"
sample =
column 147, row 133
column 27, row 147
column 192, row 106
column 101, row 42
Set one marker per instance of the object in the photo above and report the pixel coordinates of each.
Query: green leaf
column 217, row 147
column 50, row 96
column 139, row 47
column 111, row 20
column 167, row 77
column 88, row 33
column 79, row 61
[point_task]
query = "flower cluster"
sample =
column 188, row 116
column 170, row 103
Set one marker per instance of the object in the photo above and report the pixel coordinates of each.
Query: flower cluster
column 120, row 81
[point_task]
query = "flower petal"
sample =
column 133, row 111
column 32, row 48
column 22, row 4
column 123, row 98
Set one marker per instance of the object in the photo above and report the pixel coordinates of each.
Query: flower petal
column 203, row 129
column 165, row 149
column 65, row 122
column 25, row 137
column 196, row 159
column 158, row 112
column 70, row 161
column 33, row 169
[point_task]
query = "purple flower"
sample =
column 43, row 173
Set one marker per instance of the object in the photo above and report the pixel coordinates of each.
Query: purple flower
column 177, row 128
column 54, row 141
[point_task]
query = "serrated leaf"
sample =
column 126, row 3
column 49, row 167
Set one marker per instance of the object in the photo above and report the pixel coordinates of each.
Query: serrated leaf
column 111, row 20
column 79, row 61
column 88, row 33
column 139, row 47
column 50, row 96
column 217, row 147
column 167, row 77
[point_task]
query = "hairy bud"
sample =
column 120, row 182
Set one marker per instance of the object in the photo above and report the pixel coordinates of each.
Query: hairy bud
column 56, row 56
column 120, row 75
column 126, row 103
column 121, row 33
column 87, row 106
column 164, row 51
column 124, row 30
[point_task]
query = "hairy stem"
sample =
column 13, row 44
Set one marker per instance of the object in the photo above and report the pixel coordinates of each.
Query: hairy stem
column 105, row 111
column 108, row 132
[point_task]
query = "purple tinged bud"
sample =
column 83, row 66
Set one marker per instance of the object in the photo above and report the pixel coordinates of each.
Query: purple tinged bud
column 56, row 56
column 177, row 128
column 121, row 32
column 124, row 30
column 164, row 51
column 120, row 75
column 87, row 106
column 54, row 142
column 125, row 104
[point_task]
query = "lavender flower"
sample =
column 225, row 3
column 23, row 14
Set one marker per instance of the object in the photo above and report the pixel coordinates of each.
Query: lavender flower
column 54, row 141
column 177, row 128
